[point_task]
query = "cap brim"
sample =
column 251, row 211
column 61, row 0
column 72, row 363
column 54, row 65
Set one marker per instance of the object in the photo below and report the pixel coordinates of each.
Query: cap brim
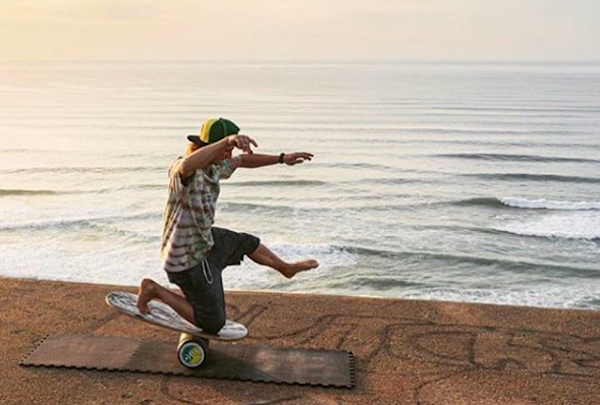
column 196, row 140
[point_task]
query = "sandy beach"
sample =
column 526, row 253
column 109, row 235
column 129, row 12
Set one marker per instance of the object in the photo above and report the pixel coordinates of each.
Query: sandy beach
column 407, row 352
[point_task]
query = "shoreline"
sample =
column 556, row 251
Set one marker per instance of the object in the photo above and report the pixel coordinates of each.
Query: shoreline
column 407, row 351
column 334, row 295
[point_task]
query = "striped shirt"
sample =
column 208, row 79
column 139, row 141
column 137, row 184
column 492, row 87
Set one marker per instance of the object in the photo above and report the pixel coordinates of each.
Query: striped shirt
column 190, row 213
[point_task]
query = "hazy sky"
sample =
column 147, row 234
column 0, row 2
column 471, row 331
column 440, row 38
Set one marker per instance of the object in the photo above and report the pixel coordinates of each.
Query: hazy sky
column 202, row 30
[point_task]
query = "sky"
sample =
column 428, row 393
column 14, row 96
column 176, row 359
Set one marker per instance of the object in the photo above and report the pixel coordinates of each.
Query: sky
column 299, row 30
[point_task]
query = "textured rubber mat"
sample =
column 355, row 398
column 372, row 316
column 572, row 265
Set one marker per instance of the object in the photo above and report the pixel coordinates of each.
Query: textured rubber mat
column 231, row 361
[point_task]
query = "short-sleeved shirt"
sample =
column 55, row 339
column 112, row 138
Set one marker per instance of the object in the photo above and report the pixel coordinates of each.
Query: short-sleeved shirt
column 190, row 213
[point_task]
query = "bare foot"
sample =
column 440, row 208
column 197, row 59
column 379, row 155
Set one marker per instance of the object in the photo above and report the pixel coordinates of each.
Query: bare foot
column 145, row 294
column 302, row 265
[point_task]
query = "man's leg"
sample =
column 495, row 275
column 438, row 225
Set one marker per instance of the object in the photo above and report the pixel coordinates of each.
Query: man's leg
column 262, row 255
column 150, row 290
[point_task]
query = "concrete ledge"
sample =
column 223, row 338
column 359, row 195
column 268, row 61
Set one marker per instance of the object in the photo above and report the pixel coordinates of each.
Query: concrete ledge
column 407, row 352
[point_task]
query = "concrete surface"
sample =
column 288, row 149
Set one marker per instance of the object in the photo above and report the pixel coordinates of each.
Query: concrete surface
column 407, row 352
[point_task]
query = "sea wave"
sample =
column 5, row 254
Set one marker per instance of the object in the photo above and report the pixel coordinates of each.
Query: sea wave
column 542, row 203
column 516, row 266
column 571, row 225
column 518, row 202
column 479, row 201
column 359, row 166
column 231, row 206
column 76, row 223
column 533, row 177
column 514, row 158
column 11, row 192
column 151, row 131
column 521, row 109
column 278, row 183
column 546, row 296
column 83, row 169
column 388, row 181
column 329, row 257
column 33, row 192
column 378, row 284
column 398, row 129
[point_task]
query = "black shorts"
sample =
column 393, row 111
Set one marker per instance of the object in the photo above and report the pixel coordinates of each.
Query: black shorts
column 202, row 285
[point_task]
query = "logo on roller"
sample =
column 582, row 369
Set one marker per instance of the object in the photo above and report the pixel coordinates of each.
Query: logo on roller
column 191, row 354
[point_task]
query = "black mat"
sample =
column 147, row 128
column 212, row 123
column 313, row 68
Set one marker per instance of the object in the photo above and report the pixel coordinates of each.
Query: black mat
column 231, row 361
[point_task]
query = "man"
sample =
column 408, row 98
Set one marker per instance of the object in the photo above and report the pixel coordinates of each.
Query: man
column 193, row 252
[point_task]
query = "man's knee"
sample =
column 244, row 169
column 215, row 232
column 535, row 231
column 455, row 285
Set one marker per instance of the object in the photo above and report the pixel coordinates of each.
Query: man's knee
column 214, row 323
column 214, row 326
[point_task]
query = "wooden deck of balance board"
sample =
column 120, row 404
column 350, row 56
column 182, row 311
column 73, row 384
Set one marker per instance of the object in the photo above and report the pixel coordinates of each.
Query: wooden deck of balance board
column 406, row 351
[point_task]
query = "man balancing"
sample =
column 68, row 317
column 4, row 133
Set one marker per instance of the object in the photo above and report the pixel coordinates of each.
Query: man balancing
column 193, row 252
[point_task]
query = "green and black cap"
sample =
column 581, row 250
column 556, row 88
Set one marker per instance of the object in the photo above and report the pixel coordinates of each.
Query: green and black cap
column 213, row 130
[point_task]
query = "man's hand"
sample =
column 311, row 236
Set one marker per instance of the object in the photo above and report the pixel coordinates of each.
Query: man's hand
column 298, row 157
column 242, row 142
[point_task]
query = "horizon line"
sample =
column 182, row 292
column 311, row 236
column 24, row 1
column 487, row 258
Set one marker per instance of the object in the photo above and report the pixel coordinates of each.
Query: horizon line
column 313, row 61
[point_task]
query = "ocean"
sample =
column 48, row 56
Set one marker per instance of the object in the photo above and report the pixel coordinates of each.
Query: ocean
column 473, row 182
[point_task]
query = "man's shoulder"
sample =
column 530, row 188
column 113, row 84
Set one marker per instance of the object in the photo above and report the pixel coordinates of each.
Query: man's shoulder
column 176, row 161
column 175, row 164
column 176, row 185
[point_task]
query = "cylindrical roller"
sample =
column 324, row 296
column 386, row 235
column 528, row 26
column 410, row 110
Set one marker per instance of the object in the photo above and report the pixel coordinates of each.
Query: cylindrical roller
column 192, row 351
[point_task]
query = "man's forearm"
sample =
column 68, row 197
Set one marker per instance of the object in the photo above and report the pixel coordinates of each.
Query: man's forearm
column 256, row 160
column 202, row 157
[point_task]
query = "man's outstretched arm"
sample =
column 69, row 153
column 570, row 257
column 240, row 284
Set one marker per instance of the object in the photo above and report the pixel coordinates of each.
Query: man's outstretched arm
column 255, row 160
column 204, row 156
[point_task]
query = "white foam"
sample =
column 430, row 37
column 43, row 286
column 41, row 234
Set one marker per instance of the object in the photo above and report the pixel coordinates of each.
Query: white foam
column 102, row 262
column 90, row 260
column 251, row 275
column 573, row 225
column 73, row 220
column 327, row 255
column 550, row 204
column 570, row 296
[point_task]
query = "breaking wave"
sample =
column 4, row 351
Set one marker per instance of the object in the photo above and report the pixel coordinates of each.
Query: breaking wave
column 542, row 203
column 518, row 202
